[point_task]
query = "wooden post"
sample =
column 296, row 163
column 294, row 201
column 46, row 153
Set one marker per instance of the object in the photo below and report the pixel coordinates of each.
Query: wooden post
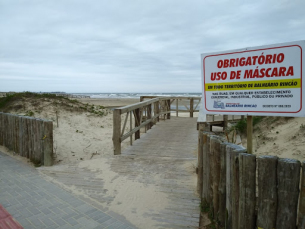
column 149, row 116
column 1, row 128
column 267, row 191
column 137, row 115
column 209, row 173
column 168, row 105
column 200, row 163
column 288, row 179
column 225, row 122
column 47, row 143
column 204, row 166
column 156, row 110
column 249, row 134
column 301, row 217
column 116, row 131
column 222, row 186
column 177, row 107
column 247, row 188
column 215, row 171
column 191, row 107
column 232, row 152
column 57, row 118
column 130, row 114
column 235, row 189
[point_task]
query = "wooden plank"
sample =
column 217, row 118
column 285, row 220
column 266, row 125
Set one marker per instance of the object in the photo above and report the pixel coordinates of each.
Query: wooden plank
column 177, row 107
column 209, row 173
column 1, row 128
column 215, row 171
column 249, row 134
column 130, row 126
column 205, row 166
column 222, row 186
column 156, row 110
column 136, row 105
column 247, row 186
column 200, row 163
column 116, row 132
column 17, row 140
column 267, row 191
column 137, row 116
column 47, row 140
column 301, row 215
column 168, row 108
column 235, row 188
column 149, row 116
column 191, row 107
column 288, row 179
column 225, row 122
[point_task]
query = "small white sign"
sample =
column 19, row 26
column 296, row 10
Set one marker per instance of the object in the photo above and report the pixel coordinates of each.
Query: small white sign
column 265, row 80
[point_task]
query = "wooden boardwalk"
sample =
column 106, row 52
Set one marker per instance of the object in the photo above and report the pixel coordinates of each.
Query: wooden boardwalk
column 170, row 151
column 165, row 157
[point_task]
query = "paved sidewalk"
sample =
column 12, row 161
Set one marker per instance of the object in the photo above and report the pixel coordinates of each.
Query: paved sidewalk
column 37, row 203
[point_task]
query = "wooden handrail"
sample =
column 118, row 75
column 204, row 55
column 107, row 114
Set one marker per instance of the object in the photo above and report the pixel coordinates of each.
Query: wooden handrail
column 154, row 108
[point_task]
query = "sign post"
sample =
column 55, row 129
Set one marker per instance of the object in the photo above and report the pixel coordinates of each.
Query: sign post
column 260, row 81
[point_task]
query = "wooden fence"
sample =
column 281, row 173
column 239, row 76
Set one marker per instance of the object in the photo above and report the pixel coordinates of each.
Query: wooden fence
column 28, row 137
column 144, row 114
column 189, row 103
column 244, row 191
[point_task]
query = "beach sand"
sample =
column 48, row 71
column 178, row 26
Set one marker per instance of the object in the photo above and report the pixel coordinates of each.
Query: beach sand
column 84, row 140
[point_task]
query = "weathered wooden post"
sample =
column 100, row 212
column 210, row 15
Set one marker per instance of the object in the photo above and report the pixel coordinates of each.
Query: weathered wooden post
column 137, row 115
column 225, row 122
column 177, row 107
column 200, row 163
column 205, row 170
column 208, row 169
column 249, row 134
column 234, row 186
column 156, row 110
column 117, row 131
column 222, row 186
column 168, row 105
column 191, row 107
column 288, row 179
column 247, row 186
column 149, row 116
column 267, row 191
column 301, row 217
column 215, row 171
column 47, row 140
column 1, row 128
column 130, row 114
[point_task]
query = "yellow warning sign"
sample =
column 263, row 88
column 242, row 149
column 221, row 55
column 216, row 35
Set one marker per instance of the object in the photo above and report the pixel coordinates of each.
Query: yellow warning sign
column 254, row 85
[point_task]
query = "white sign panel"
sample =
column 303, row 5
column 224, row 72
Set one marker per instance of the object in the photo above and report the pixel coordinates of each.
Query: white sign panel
column 264, row 80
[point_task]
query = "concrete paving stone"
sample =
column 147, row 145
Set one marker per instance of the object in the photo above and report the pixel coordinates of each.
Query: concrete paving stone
column 46, row 221
column 37, row 203
column 59, row 221
column 34, row 210
column 103, row 219
column 72, row 221
column 115, row 225
column 108, row 222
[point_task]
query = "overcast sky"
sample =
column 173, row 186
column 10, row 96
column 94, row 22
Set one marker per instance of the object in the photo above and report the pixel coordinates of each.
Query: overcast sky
column 131, row 46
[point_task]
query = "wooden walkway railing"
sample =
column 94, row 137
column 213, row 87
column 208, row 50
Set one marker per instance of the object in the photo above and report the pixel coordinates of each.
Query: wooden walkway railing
column 145, row 114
